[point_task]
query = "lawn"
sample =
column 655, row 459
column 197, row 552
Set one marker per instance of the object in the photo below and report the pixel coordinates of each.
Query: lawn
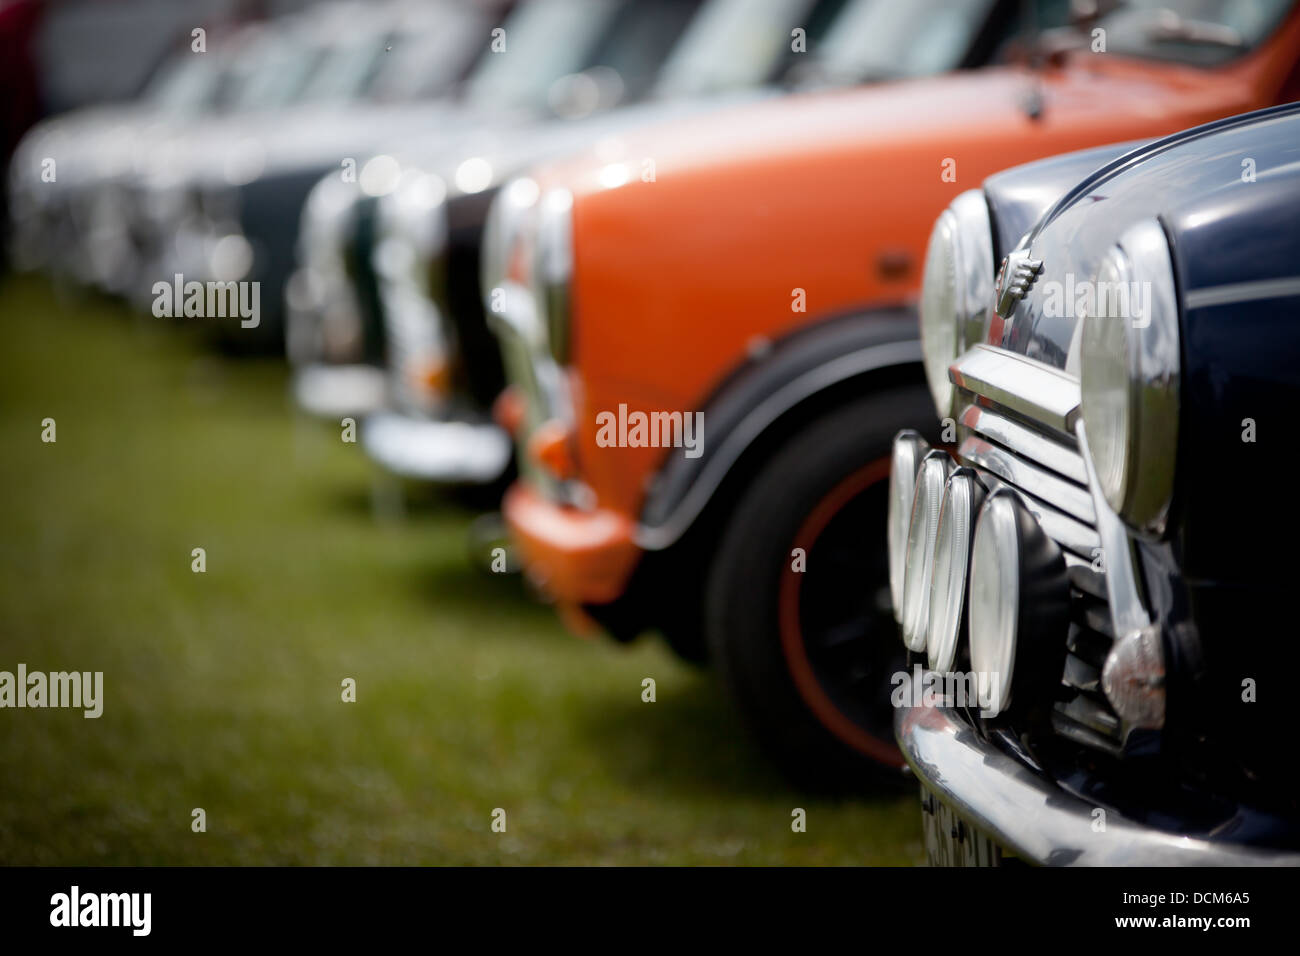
column 222, row 689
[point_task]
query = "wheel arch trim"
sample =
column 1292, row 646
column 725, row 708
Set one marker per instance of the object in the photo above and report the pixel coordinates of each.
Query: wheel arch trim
column 885, row 348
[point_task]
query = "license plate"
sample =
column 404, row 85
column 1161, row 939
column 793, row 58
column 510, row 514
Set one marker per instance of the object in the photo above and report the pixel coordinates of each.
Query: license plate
column 949, row 841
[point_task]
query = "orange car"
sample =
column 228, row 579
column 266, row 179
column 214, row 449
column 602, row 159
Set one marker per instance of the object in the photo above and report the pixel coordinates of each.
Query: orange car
column 709, row 331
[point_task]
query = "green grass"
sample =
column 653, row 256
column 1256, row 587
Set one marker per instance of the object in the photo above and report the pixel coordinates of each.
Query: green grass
column 222, row 689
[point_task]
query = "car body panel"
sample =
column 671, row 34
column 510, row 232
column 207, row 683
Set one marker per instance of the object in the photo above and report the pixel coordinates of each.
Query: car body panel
column 833, row 194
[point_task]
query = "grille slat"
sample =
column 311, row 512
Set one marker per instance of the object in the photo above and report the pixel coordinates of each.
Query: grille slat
column 1043, row 464
column 1012, row 435
column 1081, row 675
column 1065, row 496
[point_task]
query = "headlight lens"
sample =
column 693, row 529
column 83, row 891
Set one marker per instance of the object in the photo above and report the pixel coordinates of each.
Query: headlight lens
column 961, row 502
column 920, row 547
column 994, row 601
column 1129, row 368
column 956, row 289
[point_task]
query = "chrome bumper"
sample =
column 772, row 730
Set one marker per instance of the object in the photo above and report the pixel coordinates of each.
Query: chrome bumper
column 335, row 391
column 1027, row 814
column 445, row 452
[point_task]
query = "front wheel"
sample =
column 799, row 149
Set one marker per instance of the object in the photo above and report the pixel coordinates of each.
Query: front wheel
column 797, row 611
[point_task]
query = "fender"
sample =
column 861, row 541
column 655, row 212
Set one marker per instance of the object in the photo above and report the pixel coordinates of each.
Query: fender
column 778, row 378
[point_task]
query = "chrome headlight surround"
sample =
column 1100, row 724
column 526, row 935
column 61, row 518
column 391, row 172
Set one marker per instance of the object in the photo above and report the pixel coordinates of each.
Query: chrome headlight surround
column 956, row 289
column 525, row 248
column 411, row 235
column 963, row 496
column 508, row 237
column 1129, row 366
column 919, row 565
column 322, row 318
column 553, row 271
column 909, row 449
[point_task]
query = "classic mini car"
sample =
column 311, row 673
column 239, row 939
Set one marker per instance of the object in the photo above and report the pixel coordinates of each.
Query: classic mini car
column 424, row 284
column 546, row 50
column 59, row 167
column 1087, row 575
column 375, row 245
column 221, row 200
column 759, row 289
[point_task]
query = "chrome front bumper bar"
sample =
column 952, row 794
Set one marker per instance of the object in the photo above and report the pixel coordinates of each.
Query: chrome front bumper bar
column 336, row 391
column 444, row 452
column 1031, row 817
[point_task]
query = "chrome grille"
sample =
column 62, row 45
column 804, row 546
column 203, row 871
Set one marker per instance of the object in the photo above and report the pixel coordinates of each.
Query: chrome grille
column 1029, row 447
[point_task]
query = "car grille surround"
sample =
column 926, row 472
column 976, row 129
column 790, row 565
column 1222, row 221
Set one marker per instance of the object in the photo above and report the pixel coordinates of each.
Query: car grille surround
column 1015, row 429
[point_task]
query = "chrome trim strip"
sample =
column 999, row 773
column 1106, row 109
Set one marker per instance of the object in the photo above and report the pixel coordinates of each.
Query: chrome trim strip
column 1022, row 385
column 1128, row 613
column 1072, row 535
column 658, row 537
column 446, row 451
column 1064, row 530
column 1242, row 292
column 1025, row 441
column 1038, row 482
column 1027, row 813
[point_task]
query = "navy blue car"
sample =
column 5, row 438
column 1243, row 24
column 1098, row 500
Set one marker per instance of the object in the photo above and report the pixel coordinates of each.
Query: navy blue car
column 1093, row 575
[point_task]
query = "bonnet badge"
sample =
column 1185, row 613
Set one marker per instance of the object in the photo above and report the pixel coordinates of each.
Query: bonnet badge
column 1015, row 278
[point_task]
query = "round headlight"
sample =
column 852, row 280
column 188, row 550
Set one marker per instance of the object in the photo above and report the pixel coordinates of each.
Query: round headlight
column 909, row 449
column 962, row 498
column 994, row 601
column 956, row 289
column 927, row 498
column 1129, row 366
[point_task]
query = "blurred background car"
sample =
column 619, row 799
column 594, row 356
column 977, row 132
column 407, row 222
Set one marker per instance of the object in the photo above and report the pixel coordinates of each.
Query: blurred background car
column 335, row 336
column 222, row 201
column 543, row 45
column 784, row 317
column 1092, row 566
column 413, row 256
column 61, row 163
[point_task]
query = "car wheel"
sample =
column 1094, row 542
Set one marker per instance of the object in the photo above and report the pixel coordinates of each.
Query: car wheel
column 797, row 611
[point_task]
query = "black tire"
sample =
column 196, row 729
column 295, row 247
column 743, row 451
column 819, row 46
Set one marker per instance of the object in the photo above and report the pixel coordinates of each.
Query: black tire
column 808, row 655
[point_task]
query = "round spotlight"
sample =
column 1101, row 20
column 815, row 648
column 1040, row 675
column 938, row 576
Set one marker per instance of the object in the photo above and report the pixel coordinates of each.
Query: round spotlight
column 909, row 449
column 926, row 500
column 1018, row 585
column 962, row 498
column 994, row 600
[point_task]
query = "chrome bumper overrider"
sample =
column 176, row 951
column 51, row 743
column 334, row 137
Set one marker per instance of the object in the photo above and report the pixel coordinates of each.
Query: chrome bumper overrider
column 446, row 452
column 1039, row 822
